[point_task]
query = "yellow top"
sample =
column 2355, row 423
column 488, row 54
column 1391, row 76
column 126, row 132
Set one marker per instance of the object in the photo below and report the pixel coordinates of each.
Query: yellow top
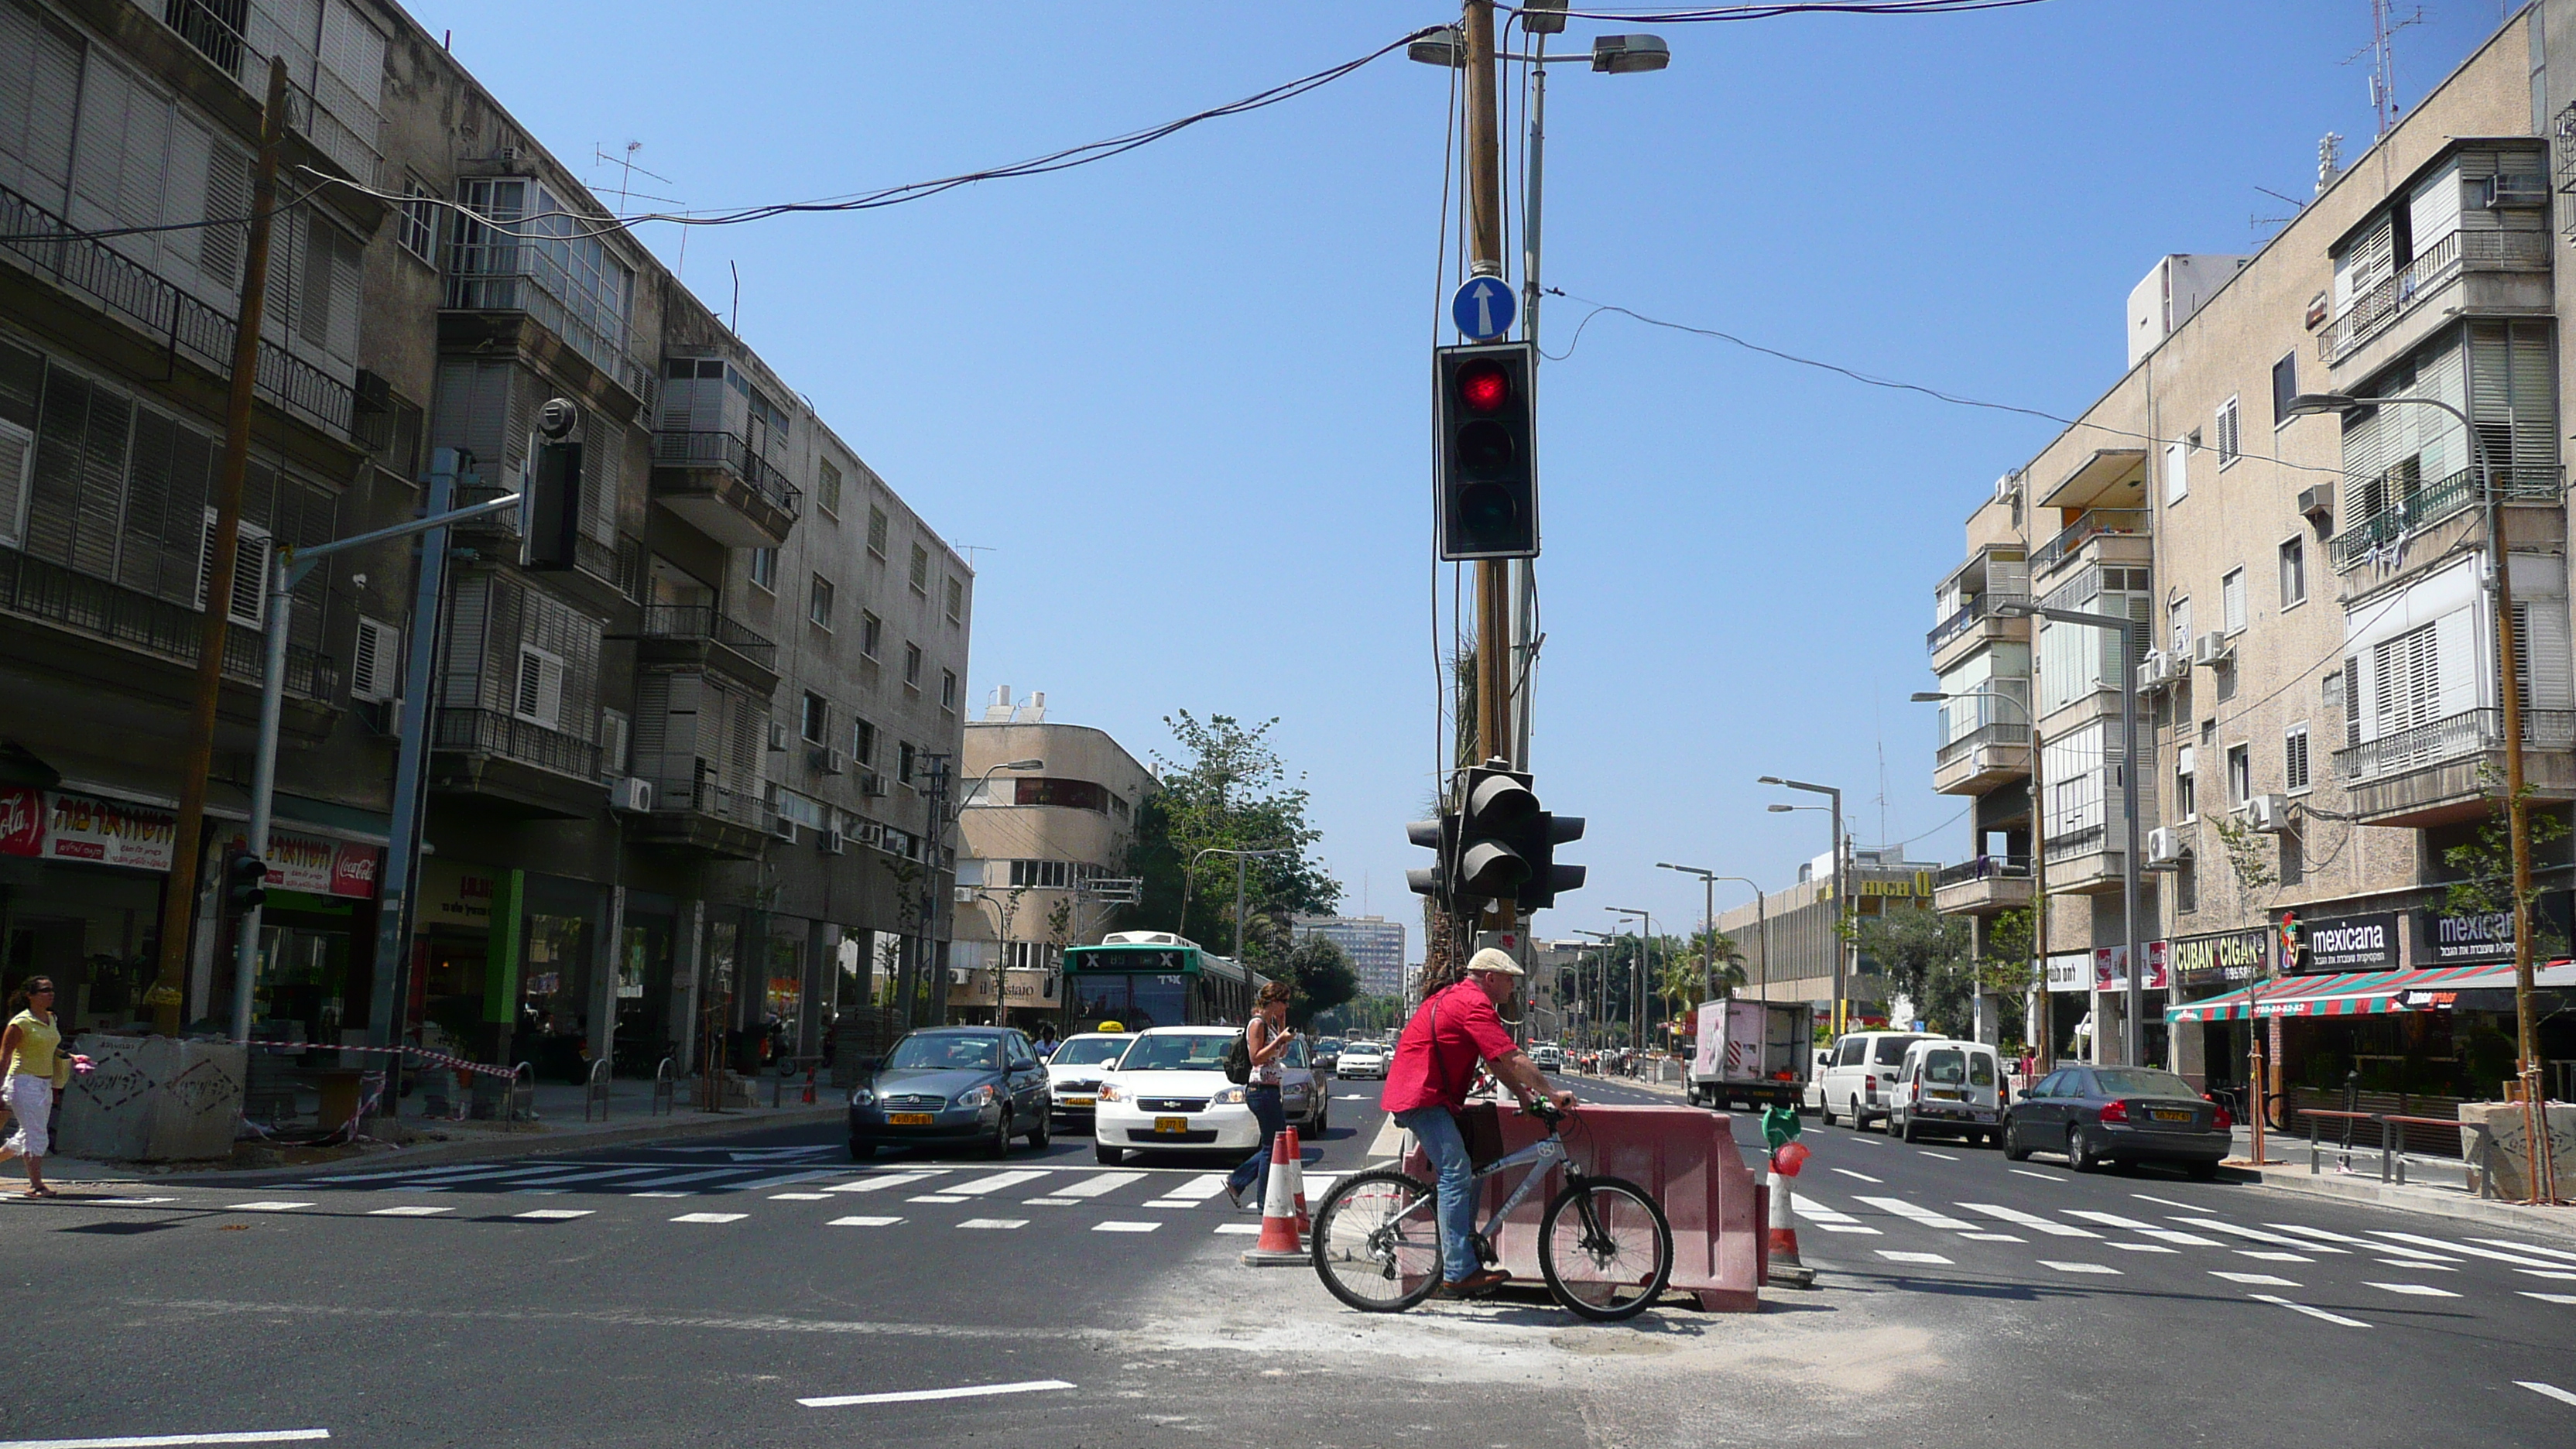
column 38, row 1043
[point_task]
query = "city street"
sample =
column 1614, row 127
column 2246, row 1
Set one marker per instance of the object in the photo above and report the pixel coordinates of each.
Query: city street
column 765, row 1290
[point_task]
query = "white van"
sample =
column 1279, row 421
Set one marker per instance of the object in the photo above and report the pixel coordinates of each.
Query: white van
column 1950, row 1087
column 1862, row 1076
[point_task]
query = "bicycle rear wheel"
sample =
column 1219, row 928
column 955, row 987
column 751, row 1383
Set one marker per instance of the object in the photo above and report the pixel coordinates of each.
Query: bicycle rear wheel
column 1376, row 1241
column 1605, row 1249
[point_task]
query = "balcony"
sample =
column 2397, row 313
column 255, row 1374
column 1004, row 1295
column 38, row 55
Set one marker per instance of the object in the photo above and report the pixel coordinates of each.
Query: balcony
column 2385, row 533
column 176, row 323
column 718, row 483
column 2093, row 523
column 1983, row 758
column 2443, row 771
column 1975, row 625
column 2085, row 861
column 1985, row 886
column 92, row 608
column 700, row 636
column 696, row 812
column 524, row 767
column 526, row 278
column 348, row 139
column 2458, row 254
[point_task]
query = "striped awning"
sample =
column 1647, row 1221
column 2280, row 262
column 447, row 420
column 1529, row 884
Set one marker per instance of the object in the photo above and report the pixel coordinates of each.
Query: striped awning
column 2347, row 993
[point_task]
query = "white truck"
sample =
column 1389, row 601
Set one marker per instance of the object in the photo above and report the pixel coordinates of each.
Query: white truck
column 1752, row 1052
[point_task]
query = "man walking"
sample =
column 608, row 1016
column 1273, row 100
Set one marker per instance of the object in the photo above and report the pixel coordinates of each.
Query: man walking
column 1434, row 1065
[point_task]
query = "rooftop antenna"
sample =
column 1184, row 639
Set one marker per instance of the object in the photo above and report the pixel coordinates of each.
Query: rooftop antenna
column 2384, row 26
column 626, row 192
column 2329, row 160
column 971, row 549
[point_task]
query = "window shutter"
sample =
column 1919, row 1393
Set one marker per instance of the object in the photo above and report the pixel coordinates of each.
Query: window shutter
column 2351, row 701
column 2177, row 471
column 40, row 72
column 17, row 467
column 652, row 732
column 250, row 571
column 2534, row 402
column 375, row 665
column 2294, row 757
column 612, row 742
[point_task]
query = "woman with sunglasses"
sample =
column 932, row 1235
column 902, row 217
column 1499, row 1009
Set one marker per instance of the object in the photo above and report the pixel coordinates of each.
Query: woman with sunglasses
column 32, row 1058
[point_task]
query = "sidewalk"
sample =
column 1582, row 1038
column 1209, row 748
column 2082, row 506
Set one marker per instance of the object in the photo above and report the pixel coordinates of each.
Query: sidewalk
column 2437, row 1189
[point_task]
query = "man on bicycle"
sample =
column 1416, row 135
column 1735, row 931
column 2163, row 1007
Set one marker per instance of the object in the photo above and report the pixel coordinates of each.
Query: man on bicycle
column 1428, row 1079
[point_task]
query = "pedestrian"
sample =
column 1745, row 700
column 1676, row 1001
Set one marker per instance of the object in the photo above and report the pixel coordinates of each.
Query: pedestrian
column 1427, row 1081
column 32, row 1065
column 1265, row 1040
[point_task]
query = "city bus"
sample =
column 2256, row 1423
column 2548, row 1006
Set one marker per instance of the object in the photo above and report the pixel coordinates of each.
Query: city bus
column 1153, row 978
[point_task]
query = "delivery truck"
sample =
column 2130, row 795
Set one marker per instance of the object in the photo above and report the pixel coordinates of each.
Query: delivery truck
column 1750, row 1052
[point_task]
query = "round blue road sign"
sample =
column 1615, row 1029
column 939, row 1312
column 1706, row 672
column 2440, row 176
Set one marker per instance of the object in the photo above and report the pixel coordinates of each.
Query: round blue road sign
column 1483, row 308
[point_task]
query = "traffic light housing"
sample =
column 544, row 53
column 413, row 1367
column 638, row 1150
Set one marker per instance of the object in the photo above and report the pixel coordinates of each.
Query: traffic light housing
column 1541, row 837
column 554, row 506
column 1488, row 492
column 1498, row 845
column 1441, row 836
column 245, row 882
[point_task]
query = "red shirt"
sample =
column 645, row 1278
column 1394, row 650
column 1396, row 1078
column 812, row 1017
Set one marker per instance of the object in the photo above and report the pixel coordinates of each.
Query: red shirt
column 1435, row 1058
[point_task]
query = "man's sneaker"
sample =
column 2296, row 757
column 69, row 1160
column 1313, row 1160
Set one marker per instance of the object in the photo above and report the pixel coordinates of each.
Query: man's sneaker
column 1474, row 1285
column 1234, row 1194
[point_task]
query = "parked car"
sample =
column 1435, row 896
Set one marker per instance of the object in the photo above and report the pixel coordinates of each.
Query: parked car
column 1074, row 1073
column 1948, row 1087
column 2118, row 1114
column 1328, row 1051
column 1169, row 1091
column 1361, row 1059
column 1811, row 1098
column 1305, row 1093
column 1862, row 1075
column 1547, row 1056
column 952, row 1084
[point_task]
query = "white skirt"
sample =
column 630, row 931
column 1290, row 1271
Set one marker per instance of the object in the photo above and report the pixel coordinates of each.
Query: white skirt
column 31, row 1100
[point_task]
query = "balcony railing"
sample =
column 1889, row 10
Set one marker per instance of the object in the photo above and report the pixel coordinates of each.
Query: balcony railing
column 242, row 57
column 705, row 621
column 673, row 449
column 701, row 793
column 185, row 325
column 2082, row 841
column 36, row 589
column 2091, row 525
column 2470, row 732
column 1982, row 737
column 2433, row 503
column 2396, row 295
column 490, row 732
column 512, row 275
column 1978, row 607
column 1985, row 867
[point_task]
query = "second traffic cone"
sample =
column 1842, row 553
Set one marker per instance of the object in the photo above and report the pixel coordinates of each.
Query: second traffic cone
column 1784, row 1236
column 1279, row 1213
column 1296, row 1178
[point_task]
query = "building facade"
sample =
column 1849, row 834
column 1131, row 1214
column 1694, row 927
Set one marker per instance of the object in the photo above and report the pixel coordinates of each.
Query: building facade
column 1789, row 941
column 1374, row 944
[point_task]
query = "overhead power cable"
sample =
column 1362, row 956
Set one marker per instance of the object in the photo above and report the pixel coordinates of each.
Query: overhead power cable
column 1713, row 13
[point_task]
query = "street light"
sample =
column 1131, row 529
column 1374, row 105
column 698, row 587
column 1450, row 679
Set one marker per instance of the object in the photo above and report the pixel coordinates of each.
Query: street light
column 1600, row 981
column 940, row 816
column 1761, row 922
column 1641, row 976
column 1189, row 875
column 1842, row 906
column 2517, row 815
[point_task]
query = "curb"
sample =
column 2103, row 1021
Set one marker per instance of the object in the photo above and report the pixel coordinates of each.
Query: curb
column 2416, row 1200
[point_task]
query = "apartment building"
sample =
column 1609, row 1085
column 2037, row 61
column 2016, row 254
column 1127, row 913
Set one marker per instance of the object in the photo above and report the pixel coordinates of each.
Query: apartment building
column 1374, row 944
column 2316, row 647
column 683, row 790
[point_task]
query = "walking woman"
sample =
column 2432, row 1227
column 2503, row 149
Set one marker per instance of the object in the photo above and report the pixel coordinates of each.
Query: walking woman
column 1265, row 1039
column 32, row 1065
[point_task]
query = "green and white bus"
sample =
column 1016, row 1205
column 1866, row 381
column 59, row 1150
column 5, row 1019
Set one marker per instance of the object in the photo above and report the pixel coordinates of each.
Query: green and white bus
column 1153, row 978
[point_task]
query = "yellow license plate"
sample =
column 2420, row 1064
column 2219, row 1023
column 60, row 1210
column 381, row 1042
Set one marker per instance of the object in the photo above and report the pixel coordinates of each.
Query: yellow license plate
column 2162, row 1116
column 1080, row 1102
column 1171, row 1124
column 911, row 1119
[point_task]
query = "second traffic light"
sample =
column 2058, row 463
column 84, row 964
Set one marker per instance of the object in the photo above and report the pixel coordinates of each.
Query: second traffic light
column 1497, row 845
column 245, row 882
column 1488, row 451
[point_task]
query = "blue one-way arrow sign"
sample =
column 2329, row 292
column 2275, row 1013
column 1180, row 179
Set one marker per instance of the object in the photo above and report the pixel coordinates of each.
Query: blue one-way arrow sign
column 1483, row 308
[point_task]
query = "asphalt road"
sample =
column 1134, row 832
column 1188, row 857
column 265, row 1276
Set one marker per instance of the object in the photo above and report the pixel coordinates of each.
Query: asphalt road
column 701, row 1293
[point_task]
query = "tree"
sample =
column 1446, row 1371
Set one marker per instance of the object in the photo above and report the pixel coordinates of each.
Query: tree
column 1910, row 946
column 1322, row 973
column 1227, row 789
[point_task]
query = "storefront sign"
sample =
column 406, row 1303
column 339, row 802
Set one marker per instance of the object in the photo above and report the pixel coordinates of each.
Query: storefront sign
column 108, row 832
column 2111, row 968
column 453, row 894
column 2069, row 970
column 316, row 864
column 2225, row 957
column 2348, row 943
column 1917, row 886
column 22, row 820
column 2447, row 940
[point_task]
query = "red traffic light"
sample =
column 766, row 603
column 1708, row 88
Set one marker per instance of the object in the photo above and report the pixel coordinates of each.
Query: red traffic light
column 1482, row 387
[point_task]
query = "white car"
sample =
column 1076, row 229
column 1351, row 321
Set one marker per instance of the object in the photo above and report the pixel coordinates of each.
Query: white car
column 1361, row 1059
column 1861, row 1081
column 1074, row 1072
column 1169, row 1091
column 1547, row 1056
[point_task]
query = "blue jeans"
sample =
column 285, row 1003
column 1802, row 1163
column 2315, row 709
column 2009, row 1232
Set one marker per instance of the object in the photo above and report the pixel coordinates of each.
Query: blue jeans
column 1266, row 1110
column 1454, row 1173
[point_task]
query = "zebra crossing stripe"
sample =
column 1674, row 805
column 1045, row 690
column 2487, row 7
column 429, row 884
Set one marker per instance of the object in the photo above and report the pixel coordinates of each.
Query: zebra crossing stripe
column 879, row 1184
column 1118, row 1227
column 2032, row 1221
column 1097, row 1184
column 2257, row 1235
column 2311, row 1312
column 862, row 1222
column 710, row 1217
column 1916, row 1212
column 997, row 1181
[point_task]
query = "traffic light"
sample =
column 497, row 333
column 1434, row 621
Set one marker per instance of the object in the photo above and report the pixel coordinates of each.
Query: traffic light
column 1441, row 836
column 554, row 506
column 1541, row 837
column 1498, row 845
column 245, row 882
column 1488, row 451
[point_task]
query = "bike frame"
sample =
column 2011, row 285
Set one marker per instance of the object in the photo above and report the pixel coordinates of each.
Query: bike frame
column 1540, row 1157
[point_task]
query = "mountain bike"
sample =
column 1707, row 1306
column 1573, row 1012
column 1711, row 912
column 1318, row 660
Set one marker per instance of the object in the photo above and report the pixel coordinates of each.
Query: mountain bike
column 1603, row 1244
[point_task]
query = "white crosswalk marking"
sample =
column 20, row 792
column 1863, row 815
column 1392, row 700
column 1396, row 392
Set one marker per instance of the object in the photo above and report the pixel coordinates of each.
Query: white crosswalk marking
column 784, row 1179
column 2415, row 1290
column 674, row 1179
column 2548, row 1297
column 880, row 1184
column 2168, row 1235
column 2322, row 1236
column 2415, row 1265
column 1893, row 1256
column 1100, row 1183
column 407, row 1212
column 1917, row 1212
column 2257, row 1235
column 936, row 1197
column 2519, row 1260
column 2547, row 1391
column 1200, row 1188
column 554, row 1215
column 997, row 1224
column 994, row 1183
column 1829, row 1218
column 2140, row 1247
column 1994, row 1238
column 1863, row 1176
column 799, row 1197
column 1247, row 1229
column 710, row 1217
column 1050, row 1202
column 2253, row 1280
column 2032, row 1221
column 1928, row 1152
column 2042, row 1176
column 1117, row 1227
column 2080, row 1267
column 2266, row 1255
column 862, row 1222
column 269, row 1207
column 2525, row 1248
column 2311, row 1312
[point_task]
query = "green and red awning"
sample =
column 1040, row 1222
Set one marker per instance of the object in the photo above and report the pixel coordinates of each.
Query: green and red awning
column 2359, row 993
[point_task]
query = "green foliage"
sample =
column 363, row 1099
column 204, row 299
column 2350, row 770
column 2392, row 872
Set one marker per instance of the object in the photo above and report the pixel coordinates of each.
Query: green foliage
column 1909, row 946
column 1322, row 973
column 1229, row 790
column 2249, row 855
column 2485, row 865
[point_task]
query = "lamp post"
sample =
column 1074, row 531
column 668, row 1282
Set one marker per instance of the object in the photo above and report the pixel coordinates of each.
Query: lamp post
column 2509, row 692
column 1708, row 921
column 942, row 816
column 1600, row 983
column 1976, row 982
column 1842, row 902
column 1240, row 856
column 1643, row 974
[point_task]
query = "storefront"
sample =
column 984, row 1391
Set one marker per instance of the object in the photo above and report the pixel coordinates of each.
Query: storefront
column 2214, row 1053
column 646, row 1031
column 84, row 877
column 316, row 932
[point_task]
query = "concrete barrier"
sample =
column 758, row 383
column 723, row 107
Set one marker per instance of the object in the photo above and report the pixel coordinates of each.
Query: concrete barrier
column 1685, row 1156
column 152, row 1099
column 2509, row 1163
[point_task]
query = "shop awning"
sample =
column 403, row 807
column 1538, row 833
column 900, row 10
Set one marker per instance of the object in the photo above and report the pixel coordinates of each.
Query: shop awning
column 2348, row 993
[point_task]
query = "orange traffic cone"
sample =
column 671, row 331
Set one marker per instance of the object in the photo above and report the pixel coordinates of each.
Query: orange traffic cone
column 1280, row 1244
column 1296, row 1178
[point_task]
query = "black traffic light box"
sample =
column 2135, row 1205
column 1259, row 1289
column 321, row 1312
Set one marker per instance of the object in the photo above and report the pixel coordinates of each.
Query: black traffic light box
column 1498, row 845
column 245, row 882
column 1488, row 495
column 554, row 506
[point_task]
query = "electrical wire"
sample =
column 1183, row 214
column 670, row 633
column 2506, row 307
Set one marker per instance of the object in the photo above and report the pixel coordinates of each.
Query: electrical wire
column 1773, row 11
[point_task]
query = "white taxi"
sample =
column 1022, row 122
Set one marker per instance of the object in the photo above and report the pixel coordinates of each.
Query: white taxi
column 1169, row 1091
column 1074, row 1071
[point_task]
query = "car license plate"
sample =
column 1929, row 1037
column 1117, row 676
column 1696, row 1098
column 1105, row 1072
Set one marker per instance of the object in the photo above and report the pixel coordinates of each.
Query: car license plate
column 2164, row 1116
column 1079, row 1102
column 1171, row 1124
column 1985, row 1116
column 910, row 1119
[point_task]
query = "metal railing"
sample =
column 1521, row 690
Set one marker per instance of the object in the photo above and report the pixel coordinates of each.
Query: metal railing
column 676, row 449
column 239, row 56
column 706, row 621
column 1977, row 607
column 665, row 1090
column 2432, row 503
column 701, row 792
column 185, row 325
column 1980, row 738
column 1985, row 867
column 503, row 276
column 2091, row 525
column 2397, row 294
column 38, row 589
column 2082, row 841
column 594, row 1090
column 490, row 732
column 2466, row 733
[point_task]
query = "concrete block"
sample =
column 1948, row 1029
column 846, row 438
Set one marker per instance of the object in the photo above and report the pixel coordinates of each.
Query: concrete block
column 2512, row 1157
column 153, row 1099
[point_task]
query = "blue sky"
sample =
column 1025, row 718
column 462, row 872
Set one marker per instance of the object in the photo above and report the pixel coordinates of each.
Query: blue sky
column 1180, row 396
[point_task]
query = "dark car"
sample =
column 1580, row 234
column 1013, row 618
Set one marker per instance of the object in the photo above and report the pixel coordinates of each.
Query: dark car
column 2118, row 1114
column 952, row 1084
column 1328, row 1050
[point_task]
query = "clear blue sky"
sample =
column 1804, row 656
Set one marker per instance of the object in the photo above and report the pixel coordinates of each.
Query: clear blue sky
column 1181, row 395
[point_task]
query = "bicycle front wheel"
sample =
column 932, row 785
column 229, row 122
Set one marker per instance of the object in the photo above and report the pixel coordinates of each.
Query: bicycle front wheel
column 1605, row 1249
column 1376, row 1241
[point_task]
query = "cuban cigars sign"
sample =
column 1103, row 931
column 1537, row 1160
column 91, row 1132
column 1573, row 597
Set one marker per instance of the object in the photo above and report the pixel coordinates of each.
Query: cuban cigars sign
column 2223, row 957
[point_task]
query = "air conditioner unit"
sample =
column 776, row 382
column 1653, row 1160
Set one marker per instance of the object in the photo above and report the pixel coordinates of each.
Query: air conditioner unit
column 2269, row 814
column 2155, row 671
column 2211, row 648
column 2317, row 503
column 2524, row 190
column 631, row 794
column 872, row 784
column 2164, row 846
column 784, row 827
column 381, row 716
column 2007, row 486
column 831, row 842
column 830, row 762
column 509, row 158
column 778, row 736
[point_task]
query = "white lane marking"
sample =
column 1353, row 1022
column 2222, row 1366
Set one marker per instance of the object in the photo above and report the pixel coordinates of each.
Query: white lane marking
column 879, row 1184
column 1893, row 1256
column 2165, row 1235
column 674, row 1179
column 936, row 1197
column 1050, row 1202
column 158, row 1440
column 2257, row 1235
column 2415, row 1265
column 541, row 1192
column 2311, row 1312
column 2253, row 1280
column 2033, row 1221
column 661, row 1194
column 2141, row 1247
column 553, row 1215
column 993, row 1183
column 862, row 1222
column 1350, row 1096
column 915, row 1396
column 1245, row 1228
column 1817, row 1210
column 1928, row 1152
column 2547, row 1391
column 2321, row 1235
column 1850, row 1228
column 1918, row 1213
column 1993, row 1238
column 1117, row 1227
column 2042, row 1176
column 2080, row 1267
column 2548, row 1297
column 710, row 1217
column 414, row 1211
column 2517, row 1259
column 995, row 1224
column 1171, row 1202
column 2525, row 1248
column 2414, row 1290
column 1319, row 1183
column 1100, row 1183
column 1863, row 1176
column 799, row 1197
column 1198, row 1189
column 2166, row 1201
column 2263, row 1256
column 269, row 1207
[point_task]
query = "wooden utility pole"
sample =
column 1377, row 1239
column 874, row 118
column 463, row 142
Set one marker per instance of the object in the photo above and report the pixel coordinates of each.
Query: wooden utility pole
column 1484, row 208
column 178, row 903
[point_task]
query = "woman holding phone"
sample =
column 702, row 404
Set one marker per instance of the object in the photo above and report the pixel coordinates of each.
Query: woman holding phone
column 1265, row 1040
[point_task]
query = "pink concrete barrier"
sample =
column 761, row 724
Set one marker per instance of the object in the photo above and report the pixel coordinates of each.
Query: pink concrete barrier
column 1685, row 1156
